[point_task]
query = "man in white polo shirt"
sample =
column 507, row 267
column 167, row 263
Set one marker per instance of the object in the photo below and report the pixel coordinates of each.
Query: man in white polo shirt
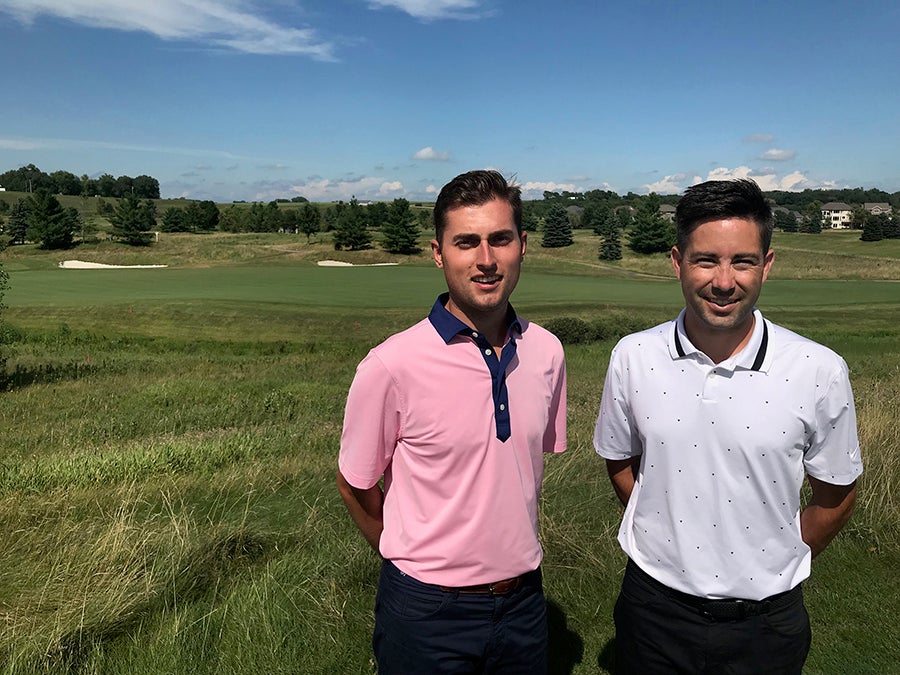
column 709, row 425
column 456, row 414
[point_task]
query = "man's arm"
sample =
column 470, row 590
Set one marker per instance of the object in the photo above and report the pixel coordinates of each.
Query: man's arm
column 622, row 473
column 826, row 513
column 365, row 507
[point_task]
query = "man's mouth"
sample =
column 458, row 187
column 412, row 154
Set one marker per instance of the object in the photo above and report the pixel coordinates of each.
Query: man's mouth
column 722, row 302
column 491, row 279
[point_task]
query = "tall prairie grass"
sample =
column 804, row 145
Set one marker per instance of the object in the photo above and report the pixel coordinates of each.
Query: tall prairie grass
column 167, row 498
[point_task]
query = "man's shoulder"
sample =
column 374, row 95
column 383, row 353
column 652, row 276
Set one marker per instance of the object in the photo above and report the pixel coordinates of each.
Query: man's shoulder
column 533, row 333
column 790, row 345
column 421, row 335
column 656, row 336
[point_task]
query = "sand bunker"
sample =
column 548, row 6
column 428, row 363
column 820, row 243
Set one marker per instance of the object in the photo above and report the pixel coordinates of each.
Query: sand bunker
column 339, row 263
column 81, row 265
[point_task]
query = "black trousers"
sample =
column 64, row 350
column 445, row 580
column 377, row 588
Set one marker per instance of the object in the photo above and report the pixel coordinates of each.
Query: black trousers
column 659, row 630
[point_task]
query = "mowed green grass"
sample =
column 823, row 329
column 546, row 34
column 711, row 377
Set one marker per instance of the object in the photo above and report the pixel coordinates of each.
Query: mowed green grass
column 167, row 496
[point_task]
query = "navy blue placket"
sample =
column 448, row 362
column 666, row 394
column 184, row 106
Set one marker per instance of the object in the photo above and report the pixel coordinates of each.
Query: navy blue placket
column 448, row 327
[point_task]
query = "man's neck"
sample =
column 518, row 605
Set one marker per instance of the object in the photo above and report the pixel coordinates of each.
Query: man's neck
column 492, row 325
column 719, row 345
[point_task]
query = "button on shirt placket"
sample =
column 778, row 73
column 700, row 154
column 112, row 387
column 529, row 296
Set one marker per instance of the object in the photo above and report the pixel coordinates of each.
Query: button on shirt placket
column 497, row 368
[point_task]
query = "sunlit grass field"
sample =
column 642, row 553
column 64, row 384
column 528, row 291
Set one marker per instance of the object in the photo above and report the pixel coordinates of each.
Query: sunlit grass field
column 167, row 498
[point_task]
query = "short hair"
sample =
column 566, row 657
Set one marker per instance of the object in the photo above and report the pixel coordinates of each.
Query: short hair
column 475, row 188
column 720, row 199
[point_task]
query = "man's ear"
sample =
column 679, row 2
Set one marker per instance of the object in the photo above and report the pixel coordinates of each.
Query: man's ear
column 436, row 253
column 675, row 254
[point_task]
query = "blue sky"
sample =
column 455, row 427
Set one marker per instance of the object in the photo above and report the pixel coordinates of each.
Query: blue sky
column 227, row 100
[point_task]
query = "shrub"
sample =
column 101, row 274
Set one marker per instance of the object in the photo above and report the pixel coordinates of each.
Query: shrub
column 570, row 330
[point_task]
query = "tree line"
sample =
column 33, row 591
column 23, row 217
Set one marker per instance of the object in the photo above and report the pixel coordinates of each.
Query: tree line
column 31, row 179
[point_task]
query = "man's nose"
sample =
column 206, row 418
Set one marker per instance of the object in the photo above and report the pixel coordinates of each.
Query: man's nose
column 486, row 256
column 723, row 279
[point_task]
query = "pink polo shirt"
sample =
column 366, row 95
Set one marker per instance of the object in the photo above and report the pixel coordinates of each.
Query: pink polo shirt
column 460, row 505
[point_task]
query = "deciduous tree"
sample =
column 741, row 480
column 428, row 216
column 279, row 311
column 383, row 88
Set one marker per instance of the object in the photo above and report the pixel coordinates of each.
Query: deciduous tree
column 310, row 220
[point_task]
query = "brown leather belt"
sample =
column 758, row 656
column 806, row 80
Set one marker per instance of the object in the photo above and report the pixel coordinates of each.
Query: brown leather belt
column 504, row 587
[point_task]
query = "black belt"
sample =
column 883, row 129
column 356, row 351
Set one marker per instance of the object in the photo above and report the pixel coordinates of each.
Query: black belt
column 722, row 609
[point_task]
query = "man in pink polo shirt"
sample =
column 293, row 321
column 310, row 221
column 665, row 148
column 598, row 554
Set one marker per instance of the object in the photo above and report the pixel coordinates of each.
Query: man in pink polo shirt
column 455, row 414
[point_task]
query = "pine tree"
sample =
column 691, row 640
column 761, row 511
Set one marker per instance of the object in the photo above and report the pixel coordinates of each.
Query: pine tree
column 17, row 225
column 133, row 220
column 812, row 218
column 49, row 223
column 557, row 229
column 350, row 230
column 651, row 233
column 611, row 246
column 401, row 231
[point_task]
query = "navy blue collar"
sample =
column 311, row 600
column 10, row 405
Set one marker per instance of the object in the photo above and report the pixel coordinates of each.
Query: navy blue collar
column 448, row 326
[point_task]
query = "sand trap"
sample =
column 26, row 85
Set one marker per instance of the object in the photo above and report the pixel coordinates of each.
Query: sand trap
column 81, row 265
column 339, row 263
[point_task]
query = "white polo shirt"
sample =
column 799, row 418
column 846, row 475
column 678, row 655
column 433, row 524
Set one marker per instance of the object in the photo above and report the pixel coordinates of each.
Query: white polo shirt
column 715, row 510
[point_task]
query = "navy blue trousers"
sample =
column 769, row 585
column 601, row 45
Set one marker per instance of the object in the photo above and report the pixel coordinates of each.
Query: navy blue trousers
column 422, row 630
column 658, row 632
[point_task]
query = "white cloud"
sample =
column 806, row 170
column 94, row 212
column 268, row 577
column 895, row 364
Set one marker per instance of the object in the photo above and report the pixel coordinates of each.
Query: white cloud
column 759, row 138
column 16, row 144
column 669, row 185
column 390, row 186
column 792, row 182
column 218, row 23
column 325, row 190
column 431, row 189
column 429, row 10
column 536, row 189
column 430, row 154
column 776, row 155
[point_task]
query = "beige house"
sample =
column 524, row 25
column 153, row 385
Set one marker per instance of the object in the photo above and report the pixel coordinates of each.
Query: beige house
column 836, row 215
column 667, row 211
column 876, row 208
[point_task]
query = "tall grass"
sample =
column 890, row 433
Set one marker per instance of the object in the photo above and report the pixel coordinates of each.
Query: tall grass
column 167, row 499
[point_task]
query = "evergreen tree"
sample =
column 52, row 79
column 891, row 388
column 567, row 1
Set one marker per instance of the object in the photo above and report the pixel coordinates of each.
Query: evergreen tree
column 557, row 229
column 310, row 220
column 812, row 218
column 891, row 225
column 350, row 230
column 530, row 221
column 401, row 231
column 651, row 233
column 378, row 214
column 786, row 220
column 133, row 221
column 611, row 246
column 173, row 221
column 49, row 223
column 872, row 230
column 17, row 225
column 233, row 219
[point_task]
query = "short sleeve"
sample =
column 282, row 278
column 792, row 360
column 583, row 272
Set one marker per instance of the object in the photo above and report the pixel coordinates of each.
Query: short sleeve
column 614, row 436
column 555, row 435
column 372, row 424
column 833, row 455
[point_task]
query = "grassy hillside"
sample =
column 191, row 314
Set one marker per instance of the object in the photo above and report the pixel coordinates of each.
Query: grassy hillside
column 167, row 484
